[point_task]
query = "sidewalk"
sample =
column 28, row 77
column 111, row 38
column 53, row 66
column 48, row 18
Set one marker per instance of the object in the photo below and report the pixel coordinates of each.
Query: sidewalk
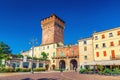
column 20, row 73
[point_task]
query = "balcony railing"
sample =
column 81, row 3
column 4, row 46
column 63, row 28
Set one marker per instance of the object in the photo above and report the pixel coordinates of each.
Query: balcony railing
column 116, row 57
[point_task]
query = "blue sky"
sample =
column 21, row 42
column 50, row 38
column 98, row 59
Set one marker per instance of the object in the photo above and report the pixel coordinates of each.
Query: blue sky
column 20, row 19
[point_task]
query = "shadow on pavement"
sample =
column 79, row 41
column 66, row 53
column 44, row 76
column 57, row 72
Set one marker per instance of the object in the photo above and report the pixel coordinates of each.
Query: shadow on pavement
column 39, row 79
column 27, row 79
column 46, row 79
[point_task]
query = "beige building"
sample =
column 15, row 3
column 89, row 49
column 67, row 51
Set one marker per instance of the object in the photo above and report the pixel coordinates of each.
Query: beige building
column 106, row 44
column 85, row 51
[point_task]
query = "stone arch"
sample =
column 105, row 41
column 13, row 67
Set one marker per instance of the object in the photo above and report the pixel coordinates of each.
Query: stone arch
column 73, row 64
column 62, row 64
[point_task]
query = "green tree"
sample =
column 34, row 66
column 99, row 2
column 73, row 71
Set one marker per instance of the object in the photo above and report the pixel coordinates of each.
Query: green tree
column 44, row 55
column 17, row 56
column 4, row 48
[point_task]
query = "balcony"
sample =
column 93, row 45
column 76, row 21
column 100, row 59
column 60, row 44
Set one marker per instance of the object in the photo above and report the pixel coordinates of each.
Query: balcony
column 116, row 57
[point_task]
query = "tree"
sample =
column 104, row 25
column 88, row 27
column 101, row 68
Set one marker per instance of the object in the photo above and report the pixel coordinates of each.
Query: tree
column 4, row 48
column 44, row 55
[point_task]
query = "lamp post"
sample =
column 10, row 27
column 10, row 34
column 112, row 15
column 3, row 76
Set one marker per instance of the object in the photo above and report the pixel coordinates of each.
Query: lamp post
column 32, row 42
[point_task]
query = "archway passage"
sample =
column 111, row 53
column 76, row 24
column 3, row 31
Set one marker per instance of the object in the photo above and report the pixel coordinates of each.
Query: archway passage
column 62, row 64
column 73, row 64
column 53, row 67
column 47, row 66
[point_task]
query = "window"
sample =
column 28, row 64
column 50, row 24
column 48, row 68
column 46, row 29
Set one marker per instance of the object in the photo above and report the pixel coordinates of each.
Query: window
column 111, row 44
column 54, row 46
column 85, row 57
column 118, row 32
column 43, row 48
column 112, row 54
column 53, row 54
column 104, row 45
column 61, row 54
column 110, row 35
column 96, row 46
column 48, row 47
column 97, row 54
column 72, row 51
column 53, row 61
column 103, row 36
column 119, row 42
column 85, row 42
column 104, row 53
column 85, row 48
column 96, row 37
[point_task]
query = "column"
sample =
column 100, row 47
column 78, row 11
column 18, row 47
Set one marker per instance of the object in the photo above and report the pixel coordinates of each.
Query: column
column 37, row 64
column 21, row 64
column 30, row 64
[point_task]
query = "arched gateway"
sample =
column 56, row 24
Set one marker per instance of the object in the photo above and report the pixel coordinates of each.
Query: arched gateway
column 73, row 64
column 62, row 64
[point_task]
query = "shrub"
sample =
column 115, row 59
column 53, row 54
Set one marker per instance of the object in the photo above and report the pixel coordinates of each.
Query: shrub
column 18, row 69
column 39, row 69
column 100, row 67
column 7, row 70
column 57, row 69
column 101, row 72
column 83, row 71
column 116, row 71
column 107, row 71
column 26, row 70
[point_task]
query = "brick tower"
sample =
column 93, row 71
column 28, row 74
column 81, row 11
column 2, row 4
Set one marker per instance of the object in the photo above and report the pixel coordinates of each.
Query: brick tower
column 52, row 30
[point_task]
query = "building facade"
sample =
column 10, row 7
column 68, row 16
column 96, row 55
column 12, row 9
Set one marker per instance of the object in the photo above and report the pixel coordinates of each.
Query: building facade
column 85, row 51
column 102, row 48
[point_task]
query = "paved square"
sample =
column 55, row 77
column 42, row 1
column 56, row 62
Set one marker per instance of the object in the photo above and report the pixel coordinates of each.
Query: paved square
column 57, row 76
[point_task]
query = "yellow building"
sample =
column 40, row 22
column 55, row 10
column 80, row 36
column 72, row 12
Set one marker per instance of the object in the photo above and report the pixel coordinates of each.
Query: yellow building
column 85, row 51
column 106, row 44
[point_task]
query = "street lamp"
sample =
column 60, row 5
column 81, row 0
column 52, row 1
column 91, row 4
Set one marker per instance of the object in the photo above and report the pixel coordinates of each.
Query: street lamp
column 32, row 42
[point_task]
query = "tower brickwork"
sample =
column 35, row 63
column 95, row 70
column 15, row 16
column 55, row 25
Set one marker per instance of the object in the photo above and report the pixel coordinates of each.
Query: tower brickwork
column 52, row 30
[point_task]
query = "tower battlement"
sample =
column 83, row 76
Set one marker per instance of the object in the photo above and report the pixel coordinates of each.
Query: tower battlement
column 52, row 18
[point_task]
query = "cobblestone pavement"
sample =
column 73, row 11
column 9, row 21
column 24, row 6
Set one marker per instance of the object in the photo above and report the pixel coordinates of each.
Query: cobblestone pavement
column 58, row 76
